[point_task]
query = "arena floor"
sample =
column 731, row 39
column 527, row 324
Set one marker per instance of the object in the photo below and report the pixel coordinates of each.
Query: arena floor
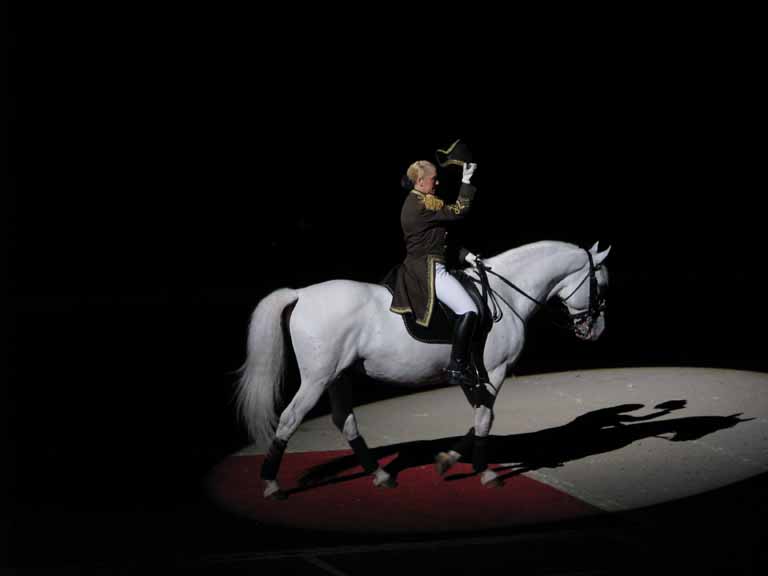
column 587, row 457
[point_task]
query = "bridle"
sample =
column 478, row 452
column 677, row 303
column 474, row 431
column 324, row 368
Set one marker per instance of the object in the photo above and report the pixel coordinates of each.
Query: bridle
column 583, row 322
column 579, row 323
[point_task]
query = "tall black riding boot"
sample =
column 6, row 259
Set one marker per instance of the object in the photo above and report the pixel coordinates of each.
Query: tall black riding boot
column 460, row 370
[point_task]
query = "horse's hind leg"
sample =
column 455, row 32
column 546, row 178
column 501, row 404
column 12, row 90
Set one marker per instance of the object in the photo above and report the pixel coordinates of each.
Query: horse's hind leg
column 290, row 419
column 340, row 394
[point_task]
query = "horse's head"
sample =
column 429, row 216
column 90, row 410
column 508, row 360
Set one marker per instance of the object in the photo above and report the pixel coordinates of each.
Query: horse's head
column 583, row 294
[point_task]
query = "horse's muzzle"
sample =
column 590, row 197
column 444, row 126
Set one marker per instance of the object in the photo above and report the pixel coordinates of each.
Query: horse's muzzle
column 589, row 328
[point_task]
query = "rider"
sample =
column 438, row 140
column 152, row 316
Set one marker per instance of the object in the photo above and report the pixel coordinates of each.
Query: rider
column 422, row 276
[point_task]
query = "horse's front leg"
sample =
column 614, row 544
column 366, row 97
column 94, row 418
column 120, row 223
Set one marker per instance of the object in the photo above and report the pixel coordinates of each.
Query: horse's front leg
column 475, row 442
column 483, row 423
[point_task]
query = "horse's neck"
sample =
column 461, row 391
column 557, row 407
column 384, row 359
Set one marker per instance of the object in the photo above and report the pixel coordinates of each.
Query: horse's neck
column 537, row 269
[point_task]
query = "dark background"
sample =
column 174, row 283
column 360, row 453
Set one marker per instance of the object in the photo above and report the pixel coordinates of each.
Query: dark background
column 179, row 188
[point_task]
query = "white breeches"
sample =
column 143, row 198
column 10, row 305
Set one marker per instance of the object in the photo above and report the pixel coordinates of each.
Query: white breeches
column 451, row 293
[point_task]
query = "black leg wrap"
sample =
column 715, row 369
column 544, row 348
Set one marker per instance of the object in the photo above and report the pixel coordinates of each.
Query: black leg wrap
column 363, row 453
column 464, row 446
column 272, row 462
column 340, row 395
column 480, row 454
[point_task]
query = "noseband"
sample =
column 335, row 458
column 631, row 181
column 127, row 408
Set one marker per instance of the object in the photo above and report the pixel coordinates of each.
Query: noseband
column 583, row 322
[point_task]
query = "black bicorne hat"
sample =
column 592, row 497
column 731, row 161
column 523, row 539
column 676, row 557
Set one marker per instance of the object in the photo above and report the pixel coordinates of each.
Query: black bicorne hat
column 457, row 154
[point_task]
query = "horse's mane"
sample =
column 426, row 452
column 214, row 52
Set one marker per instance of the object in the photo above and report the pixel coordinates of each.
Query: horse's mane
column 541, row 249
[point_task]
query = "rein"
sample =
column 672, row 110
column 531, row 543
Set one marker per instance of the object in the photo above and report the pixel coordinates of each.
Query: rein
column 497, row 313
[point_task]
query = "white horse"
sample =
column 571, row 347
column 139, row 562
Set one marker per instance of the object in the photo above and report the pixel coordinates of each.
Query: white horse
column 340, row 322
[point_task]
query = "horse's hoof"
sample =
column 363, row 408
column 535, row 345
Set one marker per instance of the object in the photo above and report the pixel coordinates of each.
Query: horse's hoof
column 443, row 463
column 272, row 491
column 382, row 479
column 388, row 483
column 490, row 479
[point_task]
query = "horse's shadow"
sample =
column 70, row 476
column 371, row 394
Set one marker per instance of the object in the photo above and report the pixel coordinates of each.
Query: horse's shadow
column 595, row 432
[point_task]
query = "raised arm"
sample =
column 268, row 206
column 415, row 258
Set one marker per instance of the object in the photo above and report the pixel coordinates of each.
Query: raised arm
column 439, row 211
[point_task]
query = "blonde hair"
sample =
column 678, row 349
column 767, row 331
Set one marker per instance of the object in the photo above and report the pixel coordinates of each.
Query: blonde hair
column 418, row 169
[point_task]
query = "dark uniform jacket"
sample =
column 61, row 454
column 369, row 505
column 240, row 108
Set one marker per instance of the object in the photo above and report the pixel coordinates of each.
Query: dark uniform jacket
column 424, row 218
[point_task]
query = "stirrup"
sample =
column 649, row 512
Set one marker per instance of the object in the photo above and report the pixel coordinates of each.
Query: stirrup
column 463, row 376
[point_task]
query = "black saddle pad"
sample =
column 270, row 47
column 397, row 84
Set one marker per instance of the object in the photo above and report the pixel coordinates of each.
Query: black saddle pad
column 440, row 329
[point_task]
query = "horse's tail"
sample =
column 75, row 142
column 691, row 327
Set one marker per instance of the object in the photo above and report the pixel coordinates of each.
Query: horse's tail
column 261, row 377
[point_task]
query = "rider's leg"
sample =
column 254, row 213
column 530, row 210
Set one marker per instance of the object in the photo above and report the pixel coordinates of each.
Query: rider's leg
column 477, row 350
column 450, row 291
column 459, row 369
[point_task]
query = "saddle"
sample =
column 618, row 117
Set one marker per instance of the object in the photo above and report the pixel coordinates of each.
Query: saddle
column 440, row 329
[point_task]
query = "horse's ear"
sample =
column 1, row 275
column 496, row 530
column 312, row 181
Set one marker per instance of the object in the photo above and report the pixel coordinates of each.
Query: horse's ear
column 600, row 256
column 594, row 248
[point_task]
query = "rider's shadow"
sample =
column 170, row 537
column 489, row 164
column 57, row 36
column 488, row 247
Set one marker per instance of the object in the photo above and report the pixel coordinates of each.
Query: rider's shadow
column 595, row 432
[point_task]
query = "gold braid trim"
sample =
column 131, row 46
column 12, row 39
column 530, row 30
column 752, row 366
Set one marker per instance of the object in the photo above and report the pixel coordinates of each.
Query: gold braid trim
column 431, row 260
column 432, row 202
column 459, row 207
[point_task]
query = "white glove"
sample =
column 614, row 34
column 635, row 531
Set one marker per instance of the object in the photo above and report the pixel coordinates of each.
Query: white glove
column 470, row 258
column 469, row 169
